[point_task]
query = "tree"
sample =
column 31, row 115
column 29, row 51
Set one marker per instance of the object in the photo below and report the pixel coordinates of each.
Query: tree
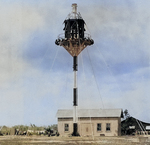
column 126, row 114
column 128, row 121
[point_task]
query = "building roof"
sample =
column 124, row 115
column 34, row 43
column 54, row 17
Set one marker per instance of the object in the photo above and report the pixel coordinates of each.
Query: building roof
column 139, row 125
column 62, row 113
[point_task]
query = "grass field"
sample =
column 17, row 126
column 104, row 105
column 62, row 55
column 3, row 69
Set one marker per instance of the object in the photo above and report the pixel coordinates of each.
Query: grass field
column 41, row 140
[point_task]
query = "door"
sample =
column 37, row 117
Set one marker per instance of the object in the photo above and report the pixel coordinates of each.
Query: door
column 86, row 129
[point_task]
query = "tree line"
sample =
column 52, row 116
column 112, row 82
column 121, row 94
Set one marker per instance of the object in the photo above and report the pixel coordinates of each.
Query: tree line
column 32, row 129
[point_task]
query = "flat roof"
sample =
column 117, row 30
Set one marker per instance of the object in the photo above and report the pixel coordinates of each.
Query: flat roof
column 68, row 113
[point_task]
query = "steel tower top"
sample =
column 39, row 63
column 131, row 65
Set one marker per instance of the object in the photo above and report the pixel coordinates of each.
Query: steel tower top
column 74, row 40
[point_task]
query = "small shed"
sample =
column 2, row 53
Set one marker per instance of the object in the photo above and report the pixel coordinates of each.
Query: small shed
column 133, row 126
column 91, row 122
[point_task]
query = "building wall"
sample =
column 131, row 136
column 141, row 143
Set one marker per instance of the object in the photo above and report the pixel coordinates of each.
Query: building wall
column 61, row 126
column 88, row 126
column 119, row 126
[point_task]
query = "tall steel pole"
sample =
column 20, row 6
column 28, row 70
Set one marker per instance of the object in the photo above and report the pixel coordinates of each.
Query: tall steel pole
column 74, row 41
column 75, row 97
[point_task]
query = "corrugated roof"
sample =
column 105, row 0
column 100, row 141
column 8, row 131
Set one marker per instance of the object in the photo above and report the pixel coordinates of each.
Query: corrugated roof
column 90, row 113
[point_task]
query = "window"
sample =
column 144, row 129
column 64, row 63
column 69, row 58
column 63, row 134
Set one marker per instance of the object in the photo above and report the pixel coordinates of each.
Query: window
column 107, row 126
column 66, row 127
column 99, row 127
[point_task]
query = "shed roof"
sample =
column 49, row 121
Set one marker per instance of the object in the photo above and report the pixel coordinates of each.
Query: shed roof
column 62, row 113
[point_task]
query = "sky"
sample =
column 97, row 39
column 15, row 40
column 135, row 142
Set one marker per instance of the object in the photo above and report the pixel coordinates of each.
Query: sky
column 36, row 76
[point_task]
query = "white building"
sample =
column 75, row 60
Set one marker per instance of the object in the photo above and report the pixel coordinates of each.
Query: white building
column 96, row 122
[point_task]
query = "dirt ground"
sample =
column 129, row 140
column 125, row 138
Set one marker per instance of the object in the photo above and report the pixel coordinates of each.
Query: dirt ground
column 42, row 140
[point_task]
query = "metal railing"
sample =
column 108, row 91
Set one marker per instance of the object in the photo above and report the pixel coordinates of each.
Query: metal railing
column 62, row 36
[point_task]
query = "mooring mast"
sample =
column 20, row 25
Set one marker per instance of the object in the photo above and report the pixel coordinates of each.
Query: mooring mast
column 74, row 40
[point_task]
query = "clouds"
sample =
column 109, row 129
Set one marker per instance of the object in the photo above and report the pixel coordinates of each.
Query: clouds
column 36, row 75
column 125, row 19
column 120, row 29
column 27, row 49
column 120, row 36
column 17, row 23
column 15, row 28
